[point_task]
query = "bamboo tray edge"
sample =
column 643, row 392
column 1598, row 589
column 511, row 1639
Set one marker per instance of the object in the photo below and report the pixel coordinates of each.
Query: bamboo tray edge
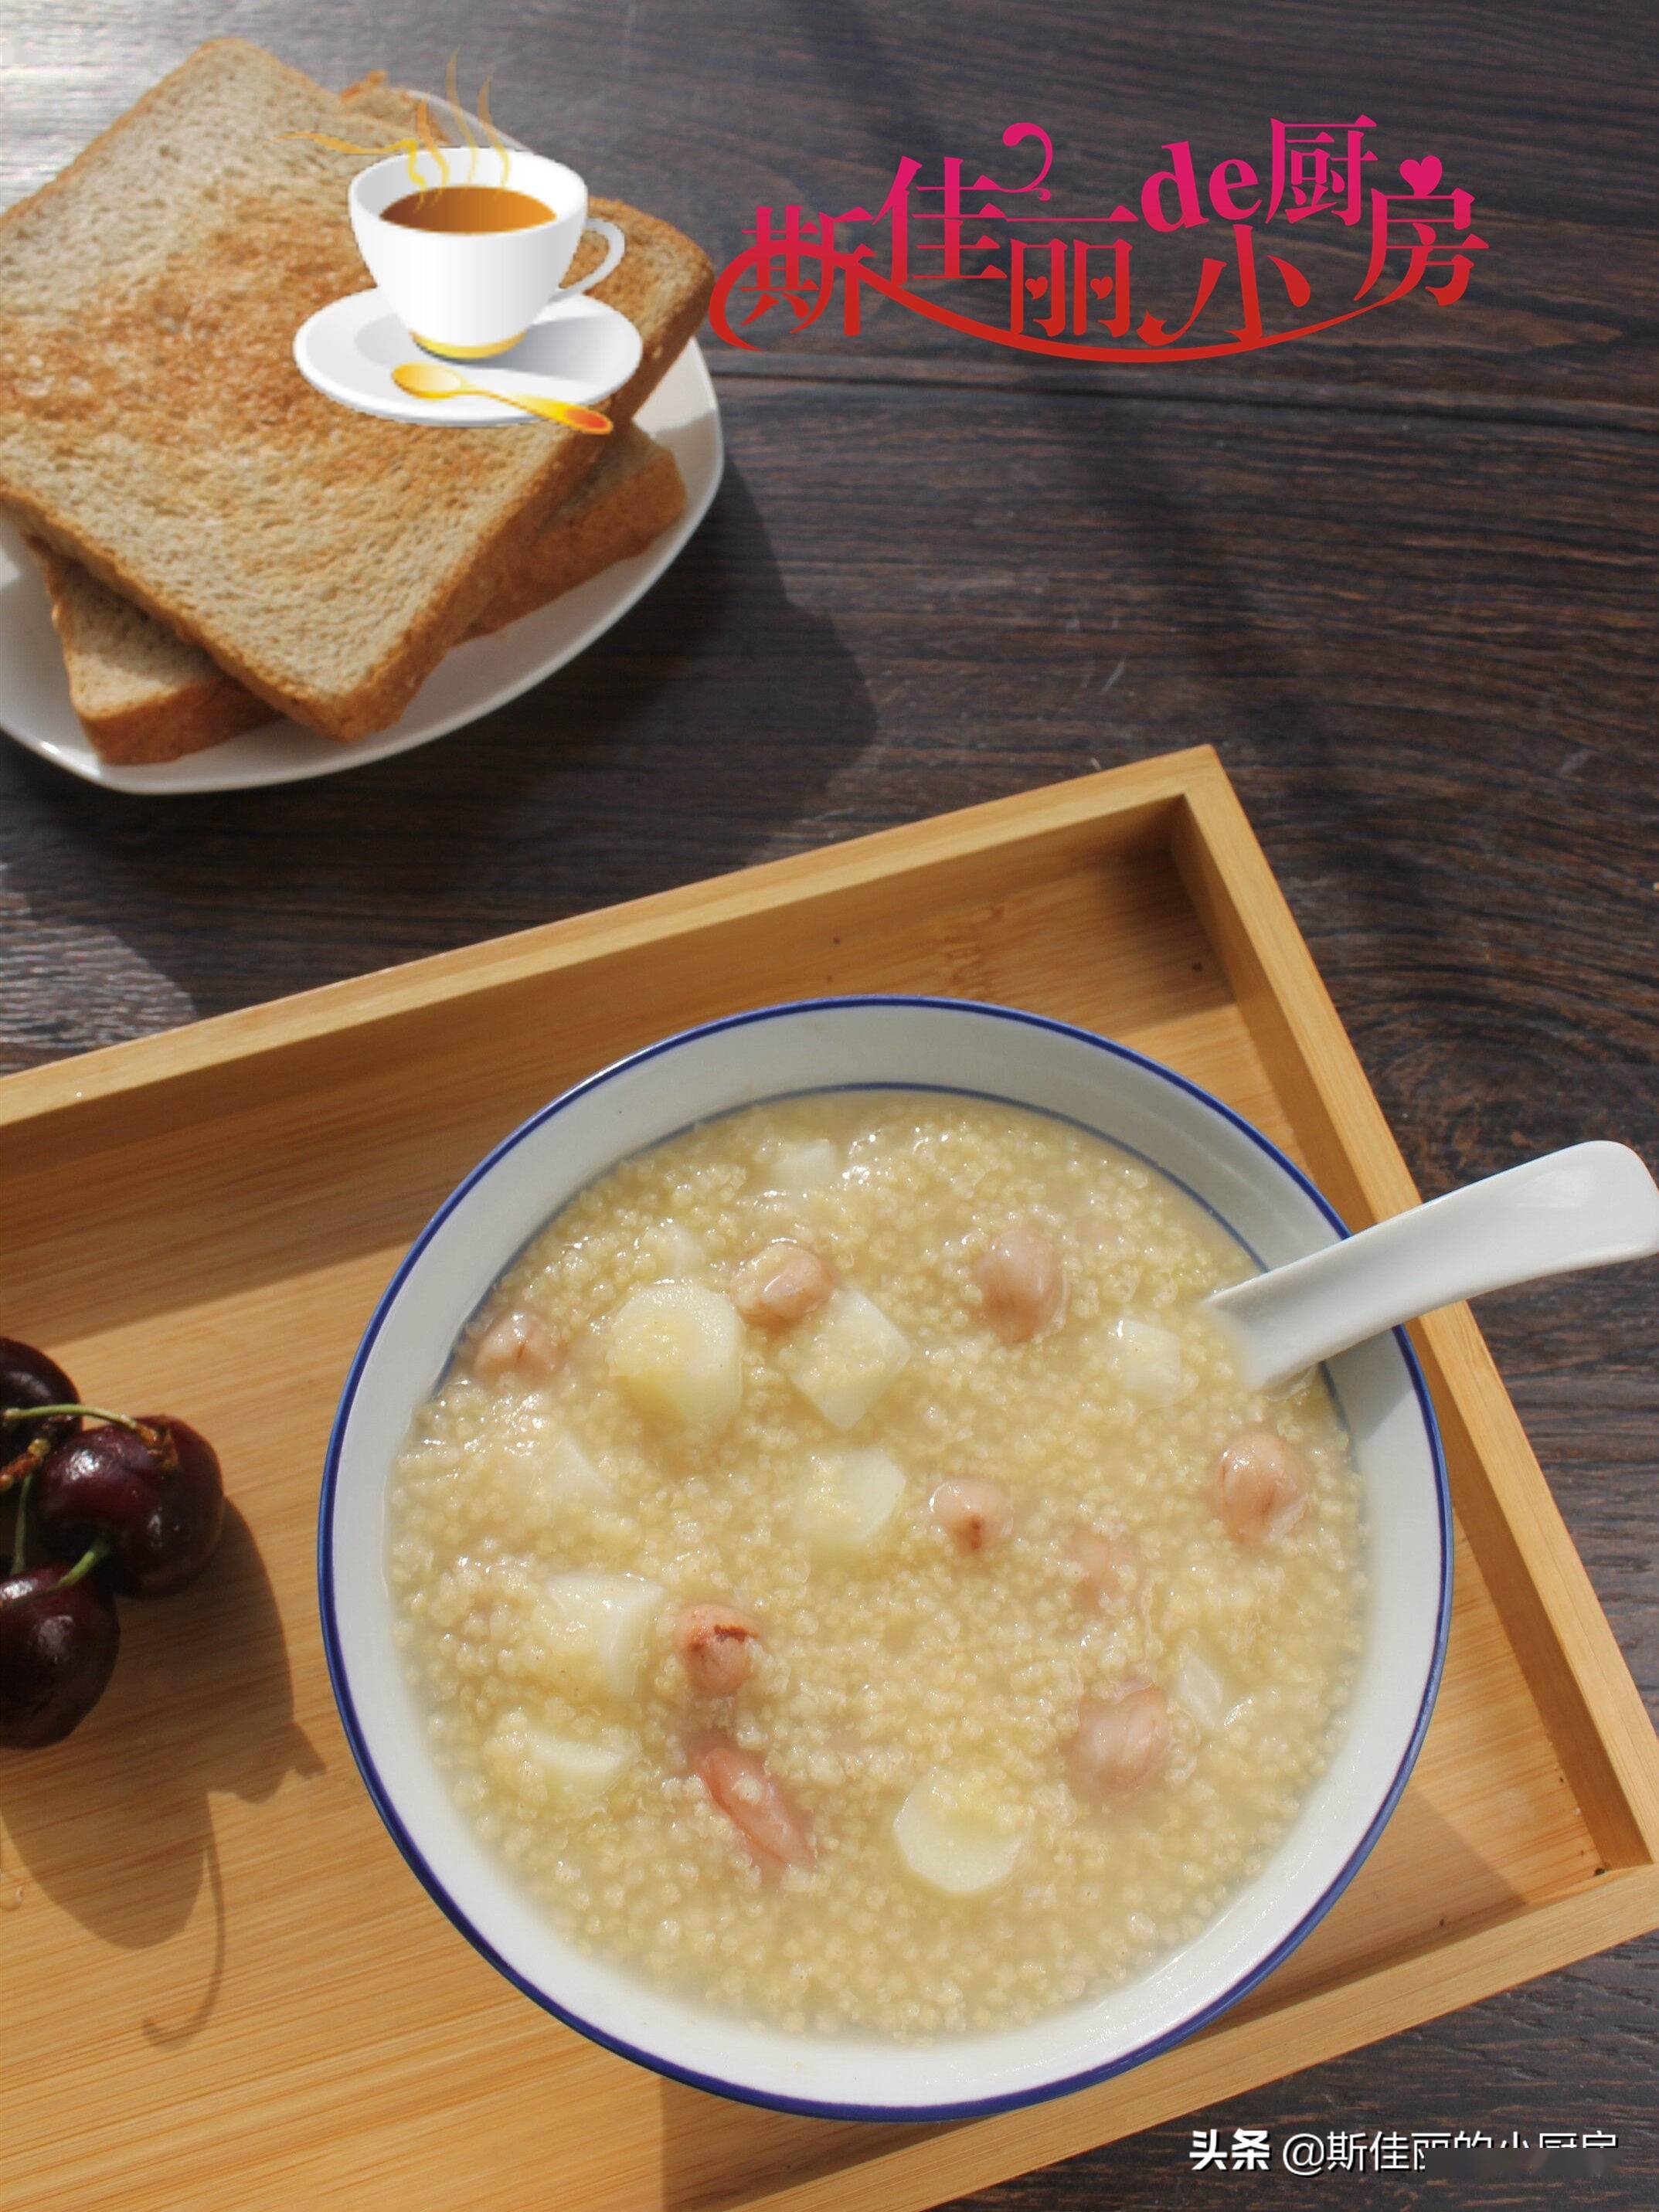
column 1178, row 813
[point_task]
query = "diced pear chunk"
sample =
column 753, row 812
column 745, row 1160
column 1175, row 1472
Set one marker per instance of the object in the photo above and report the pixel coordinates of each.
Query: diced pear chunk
column 569, row 1476
column 595, row 1627
column 676, row 1349
column 813, row 1165
column 1147, row 1361
column 1198, row 1689
column 952, row 1833
column 847, row 1500
column 549, row 1467
column 537, row 1766
column 674, row 1250
column 843, row 1357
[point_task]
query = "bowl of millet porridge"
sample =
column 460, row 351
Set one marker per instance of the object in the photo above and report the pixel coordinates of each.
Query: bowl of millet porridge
column 812, row 1594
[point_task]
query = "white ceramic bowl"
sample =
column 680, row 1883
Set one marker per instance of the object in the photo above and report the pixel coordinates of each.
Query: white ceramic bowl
column 912, row 1044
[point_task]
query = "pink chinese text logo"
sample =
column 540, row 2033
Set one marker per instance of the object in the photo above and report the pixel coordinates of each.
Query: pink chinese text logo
column 1066, row 284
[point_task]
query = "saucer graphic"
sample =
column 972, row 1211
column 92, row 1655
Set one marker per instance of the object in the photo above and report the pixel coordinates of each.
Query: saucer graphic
column 578, row 350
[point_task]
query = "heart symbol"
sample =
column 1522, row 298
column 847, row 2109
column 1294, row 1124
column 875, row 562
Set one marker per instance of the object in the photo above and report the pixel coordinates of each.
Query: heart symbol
column 1036, row 284
column 1422, row 176
column 1100, row 286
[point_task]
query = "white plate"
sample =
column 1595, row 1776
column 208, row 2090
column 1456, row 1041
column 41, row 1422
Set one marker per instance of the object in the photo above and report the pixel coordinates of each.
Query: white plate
column 485, row 672
column 578, row 350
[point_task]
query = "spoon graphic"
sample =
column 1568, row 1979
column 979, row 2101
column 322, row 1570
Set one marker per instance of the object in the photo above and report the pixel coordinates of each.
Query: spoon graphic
column 430, row 379
column 1588, row 1207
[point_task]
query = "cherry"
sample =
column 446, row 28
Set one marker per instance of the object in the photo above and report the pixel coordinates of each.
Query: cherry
column 149, row 1489
column 28, row 1377
column 58, row 1638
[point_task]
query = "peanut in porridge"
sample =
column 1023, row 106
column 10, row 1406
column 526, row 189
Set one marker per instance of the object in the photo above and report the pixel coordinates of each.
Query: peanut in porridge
column 847, row 1581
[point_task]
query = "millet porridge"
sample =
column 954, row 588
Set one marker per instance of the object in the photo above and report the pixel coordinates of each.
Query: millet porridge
column 848, row 1580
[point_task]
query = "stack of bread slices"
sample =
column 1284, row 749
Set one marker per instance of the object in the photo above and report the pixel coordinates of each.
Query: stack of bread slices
column 222, row 544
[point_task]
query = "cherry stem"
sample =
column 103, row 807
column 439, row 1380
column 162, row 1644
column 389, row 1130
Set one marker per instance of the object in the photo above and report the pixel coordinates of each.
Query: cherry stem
column 91, row 1412
column 17, row 1533
column 96, row 1552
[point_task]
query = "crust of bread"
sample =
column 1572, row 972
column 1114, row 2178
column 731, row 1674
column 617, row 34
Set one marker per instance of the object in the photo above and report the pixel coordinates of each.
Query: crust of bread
column 189, row 703
column 210, row 323
column 589, row 532
column 205, row 710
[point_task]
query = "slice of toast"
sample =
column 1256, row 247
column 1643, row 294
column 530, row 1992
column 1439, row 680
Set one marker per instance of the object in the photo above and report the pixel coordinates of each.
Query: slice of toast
column 144, row 693
column 616, row 510
column 154, row 427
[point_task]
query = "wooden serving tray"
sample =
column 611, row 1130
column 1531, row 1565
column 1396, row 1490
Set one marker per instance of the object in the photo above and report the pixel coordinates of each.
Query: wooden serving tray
column 222, row 1984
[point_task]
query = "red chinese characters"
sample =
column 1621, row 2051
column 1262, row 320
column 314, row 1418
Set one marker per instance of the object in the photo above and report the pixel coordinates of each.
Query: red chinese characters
column 1000, row 261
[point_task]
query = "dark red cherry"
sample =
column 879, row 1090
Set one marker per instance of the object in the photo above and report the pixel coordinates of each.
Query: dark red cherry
column 151, row 1490
column 28, row 1377
column 58, row 1638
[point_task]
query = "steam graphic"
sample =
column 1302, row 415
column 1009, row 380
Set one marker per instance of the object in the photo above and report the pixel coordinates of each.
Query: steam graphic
column 426, row 139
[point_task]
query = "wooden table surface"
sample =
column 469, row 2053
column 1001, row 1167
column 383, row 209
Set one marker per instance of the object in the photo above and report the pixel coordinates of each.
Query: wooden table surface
column 1401, row 575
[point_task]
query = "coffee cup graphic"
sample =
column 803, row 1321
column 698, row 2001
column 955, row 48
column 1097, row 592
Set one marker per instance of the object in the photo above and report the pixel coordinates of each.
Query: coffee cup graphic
column 462, row 289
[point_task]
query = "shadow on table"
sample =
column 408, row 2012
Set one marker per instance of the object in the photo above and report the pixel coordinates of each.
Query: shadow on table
column 1267, row 713
column 702, row 727
column 715, row 2151
column 114, row 1823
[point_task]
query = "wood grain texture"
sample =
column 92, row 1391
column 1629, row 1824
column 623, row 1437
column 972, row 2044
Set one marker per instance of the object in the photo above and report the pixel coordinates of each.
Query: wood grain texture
column 702, row 112
column 1406, row 588
column 312, row 1138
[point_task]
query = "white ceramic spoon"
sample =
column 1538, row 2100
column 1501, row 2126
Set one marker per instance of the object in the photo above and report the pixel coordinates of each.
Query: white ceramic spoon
column 1584, row 1207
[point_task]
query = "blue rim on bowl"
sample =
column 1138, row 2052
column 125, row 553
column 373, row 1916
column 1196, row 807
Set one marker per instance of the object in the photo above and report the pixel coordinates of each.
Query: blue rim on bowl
column 968, row 2108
